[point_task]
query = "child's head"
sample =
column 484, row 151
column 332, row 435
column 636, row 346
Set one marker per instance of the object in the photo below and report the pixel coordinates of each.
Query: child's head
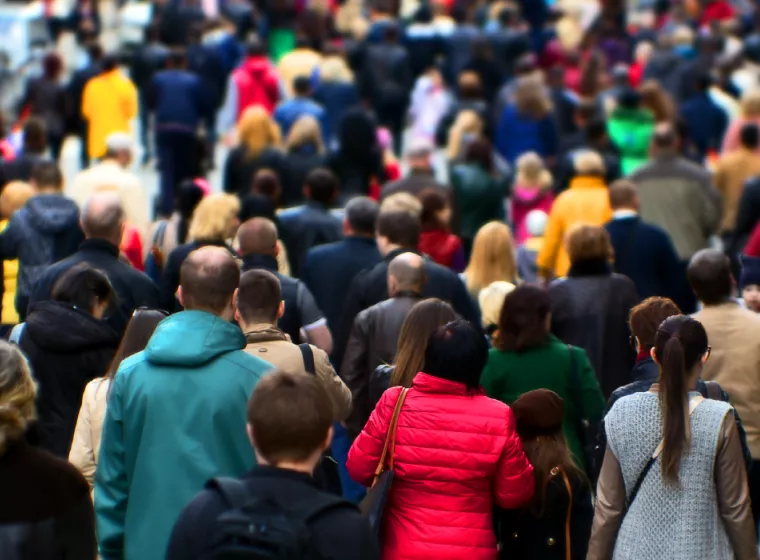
column 535, row 222
column 281, row 438
column 750, row 282
column 531, row 172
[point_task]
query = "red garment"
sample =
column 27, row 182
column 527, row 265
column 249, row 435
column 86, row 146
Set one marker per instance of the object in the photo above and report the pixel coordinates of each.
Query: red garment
column 524, row 201
column 440, row 245
column 257, row 84
column 635, row 74
column 131, row 246
column 456, row 454
column 753, row 245
column 720, row 10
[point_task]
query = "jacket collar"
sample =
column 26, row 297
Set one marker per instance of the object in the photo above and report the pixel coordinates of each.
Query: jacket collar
column 426, row 383
column 646, row 371
column 256, row 334
column 360, row 240
column 265, row 262
column 588, row 182
column 407, row 294
column 590, row 267
column 396, row 252
column 100, row 246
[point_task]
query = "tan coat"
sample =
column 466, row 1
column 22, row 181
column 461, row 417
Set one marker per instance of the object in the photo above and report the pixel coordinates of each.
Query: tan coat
column 733, row 333
column 270, row 344
column 85, row 447
column 731, row 172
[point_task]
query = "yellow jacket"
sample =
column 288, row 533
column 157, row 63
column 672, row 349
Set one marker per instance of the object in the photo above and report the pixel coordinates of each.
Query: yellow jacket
column 109, row 104
column 585, row 202
column 10, row 276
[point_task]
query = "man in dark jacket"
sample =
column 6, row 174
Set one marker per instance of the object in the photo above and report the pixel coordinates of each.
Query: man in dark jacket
column 706, row 120
column 44, row 231
column 329, row 269
column 643, row 252
column 336, row 528
column 32, row 153
column 312, row 224
column 257, row 239
column 399, row 232
column 594, row 137
column 75, row 91
column 103, row 223
column 420, row 175
column 178, row 99
column 375, row 333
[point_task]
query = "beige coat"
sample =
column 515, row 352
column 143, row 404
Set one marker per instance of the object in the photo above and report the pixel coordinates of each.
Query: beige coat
column 272, row 345
column 733, row 333
column 85, row 447
column 731, row 172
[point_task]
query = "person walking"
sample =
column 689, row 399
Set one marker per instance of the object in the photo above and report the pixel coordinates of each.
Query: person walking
column 152, row 422
column 523, row 343
column 492, row 259
column 305, row 152
column 45, row 98
column 455, row 450
column 288, row 112
column 673, row 463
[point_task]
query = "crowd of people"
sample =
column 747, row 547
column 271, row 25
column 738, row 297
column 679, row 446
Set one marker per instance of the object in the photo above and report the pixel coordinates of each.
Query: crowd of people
column 477, row 280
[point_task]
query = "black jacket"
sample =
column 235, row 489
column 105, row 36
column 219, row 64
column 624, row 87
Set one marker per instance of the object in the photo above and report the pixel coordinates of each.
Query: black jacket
column 590, row 310
column 307, row 226
column 379, row 382
column 66, row 348
column 747, row 216
column 525, row 536
column 373, row 342
column 387, row 78
column 340, row 533
column 206, row 62
column 45, row 511
column 299, row 162
column 133, row 288
column 19, row 168
column 240, row 169
column 371, row 287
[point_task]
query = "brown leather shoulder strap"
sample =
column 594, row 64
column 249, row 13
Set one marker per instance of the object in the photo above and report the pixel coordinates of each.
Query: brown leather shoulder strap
column 568, row 548
column 390, row 436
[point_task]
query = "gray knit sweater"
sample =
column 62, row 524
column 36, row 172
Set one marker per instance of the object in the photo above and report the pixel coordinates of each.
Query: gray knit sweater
column 668, row 522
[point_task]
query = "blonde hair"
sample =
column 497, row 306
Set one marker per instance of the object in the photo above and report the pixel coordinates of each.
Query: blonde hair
column 531, row 171
column 587, row 242
column 491, row 300
column 17, row 395
column 531, row 98
column 305, row 131
column 212, row 217
column 335, row 69
column 467, row 123
column 13, row 197
column 492, row 259
column 402, row 202
column 750, row 104
column 588, row 162
column 257, row 131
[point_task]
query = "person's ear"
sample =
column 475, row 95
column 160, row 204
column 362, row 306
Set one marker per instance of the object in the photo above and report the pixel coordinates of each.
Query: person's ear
column 276, row 249
column 654, row 356
column 180, row 297
column 281, row 309
column 251, row 437
column 233, row 300
column 328, row 439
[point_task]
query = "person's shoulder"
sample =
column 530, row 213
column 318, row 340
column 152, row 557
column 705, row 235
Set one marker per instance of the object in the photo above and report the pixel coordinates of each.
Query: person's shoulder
column 59, row 475
column 248, row 363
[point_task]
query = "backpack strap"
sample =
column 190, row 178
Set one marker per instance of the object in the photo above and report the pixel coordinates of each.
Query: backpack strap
column 714, row 391
column 232, row 490
column 320, row 505
column 308, row 358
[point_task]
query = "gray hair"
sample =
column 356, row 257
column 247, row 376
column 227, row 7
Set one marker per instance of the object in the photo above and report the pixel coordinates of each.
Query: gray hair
column 103, row 216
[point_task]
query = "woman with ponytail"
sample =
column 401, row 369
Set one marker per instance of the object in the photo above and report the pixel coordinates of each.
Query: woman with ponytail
column 673, row 483
column 45, row 509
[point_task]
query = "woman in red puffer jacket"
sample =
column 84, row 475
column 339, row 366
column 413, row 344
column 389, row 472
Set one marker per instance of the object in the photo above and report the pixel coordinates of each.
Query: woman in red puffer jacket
column 457, row 453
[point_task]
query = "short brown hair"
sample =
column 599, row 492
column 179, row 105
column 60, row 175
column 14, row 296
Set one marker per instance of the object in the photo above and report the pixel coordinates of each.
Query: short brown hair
column 522, row 322
column 280, row 435
column 208, row 277
column 259, row 296
column 586, row 242
column 623, row 194
column 401, row 228
column 647, row 317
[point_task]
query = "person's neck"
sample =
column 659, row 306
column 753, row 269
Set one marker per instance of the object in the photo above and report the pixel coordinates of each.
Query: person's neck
column 305, row 467
column 49, row 190
column 727, row 299
column 407, row 292
column 247, row 326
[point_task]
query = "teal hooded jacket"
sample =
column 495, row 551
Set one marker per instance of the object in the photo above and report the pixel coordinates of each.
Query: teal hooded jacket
column 176, row 417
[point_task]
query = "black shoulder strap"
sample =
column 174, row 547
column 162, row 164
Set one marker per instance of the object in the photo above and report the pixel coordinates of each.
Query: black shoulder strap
column 308, row 358
column 232, row 490
column 639, row 482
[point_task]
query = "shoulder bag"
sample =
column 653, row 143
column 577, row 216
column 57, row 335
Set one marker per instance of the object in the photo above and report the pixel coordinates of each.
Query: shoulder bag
column 373, row 504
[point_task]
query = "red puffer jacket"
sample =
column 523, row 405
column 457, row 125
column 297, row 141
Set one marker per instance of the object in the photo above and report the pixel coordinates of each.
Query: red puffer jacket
column 455, row 456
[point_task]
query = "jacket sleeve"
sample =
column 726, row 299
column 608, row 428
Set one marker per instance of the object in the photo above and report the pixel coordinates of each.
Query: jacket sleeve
column 547, row 256
column 354, row 372
column 608, row 514
column 591, row 393
column 711, row 208
column 82, row 454
column 365, row 452
column 733, row 493
column 111, row 484
column 581, row 518
column 514, row 483
column 339, row 393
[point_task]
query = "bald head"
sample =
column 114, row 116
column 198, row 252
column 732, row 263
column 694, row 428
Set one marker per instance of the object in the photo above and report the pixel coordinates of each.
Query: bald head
column 406, row 273
column 103, row 217
column 208, row 279
column 258, row 236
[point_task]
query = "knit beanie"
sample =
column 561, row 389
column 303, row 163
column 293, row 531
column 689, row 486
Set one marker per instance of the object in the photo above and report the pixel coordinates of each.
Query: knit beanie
column 750, row 271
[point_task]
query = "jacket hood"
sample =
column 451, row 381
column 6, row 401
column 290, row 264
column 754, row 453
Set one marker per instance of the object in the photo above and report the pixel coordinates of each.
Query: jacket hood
column 192, row 339
column 60, row 327
column 257, row 66
column 52, row 213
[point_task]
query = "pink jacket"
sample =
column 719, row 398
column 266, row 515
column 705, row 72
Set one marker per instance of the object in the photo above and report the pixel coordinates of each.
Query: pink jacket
column 456, row 455
column 525, row 200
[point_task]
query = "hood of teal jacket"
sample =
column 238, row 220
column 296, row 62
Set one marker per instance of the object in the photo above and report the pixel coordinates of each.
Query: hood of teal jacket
column 192, row 339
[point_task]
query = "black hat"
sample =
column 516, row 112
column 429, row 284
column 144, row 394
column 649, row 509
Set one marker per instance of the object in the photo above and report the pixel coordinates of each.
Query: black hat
column 538, row 412
column 750, row 271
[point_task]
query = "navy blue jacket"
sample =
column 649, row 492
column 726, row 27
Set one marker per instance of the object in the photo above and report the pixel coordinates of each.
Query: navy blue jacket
column 178, row 98
column 307, row 226
column 646, row 255
column 206, row 62
column 329, row 270
column 707, row 122
column 336, row 98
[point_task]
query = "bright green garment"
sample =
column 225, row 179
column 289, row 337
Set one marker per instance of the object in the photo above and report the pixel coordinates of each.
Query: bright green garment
column 176, row 418
column 510, row 374
column 281, row 42
column 631, row 131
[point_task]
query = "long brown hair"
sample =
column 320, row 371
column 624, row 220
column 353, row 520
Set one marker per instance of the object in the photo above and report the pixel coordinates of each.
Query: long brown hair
column 423, row 320
column 139, row 330
column 679, row 345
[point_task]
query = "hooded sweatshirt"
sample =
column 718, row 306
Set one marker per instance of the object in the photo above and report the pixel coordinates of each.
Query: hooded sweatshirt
column 256, row 84
column 176, row 417
column 43, row 232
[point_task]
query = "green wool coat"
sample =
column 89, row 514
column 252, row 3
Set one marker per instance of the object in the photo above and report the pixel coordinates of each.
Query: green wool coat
column 510, row 374
column 176, row 417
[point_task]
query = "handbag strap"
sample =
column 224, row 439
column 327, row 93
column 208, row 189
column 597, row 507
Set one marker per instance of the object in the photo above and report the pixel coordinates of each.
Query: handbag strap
column 575, row 382
column 693, row 404
column 390, row 437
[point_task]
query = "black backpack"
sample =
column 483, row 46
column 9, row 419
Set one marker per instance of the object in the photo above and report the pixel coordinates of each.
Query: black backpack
column 265, row 529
